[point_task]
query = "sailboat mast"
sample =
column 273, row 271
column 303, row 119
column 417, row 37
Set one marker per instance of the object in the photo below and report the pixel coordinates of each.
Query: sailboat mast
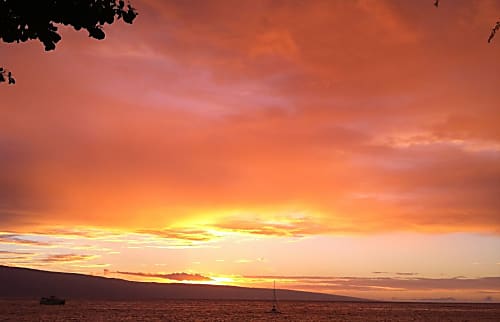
column 275, row 300
column 274, row 291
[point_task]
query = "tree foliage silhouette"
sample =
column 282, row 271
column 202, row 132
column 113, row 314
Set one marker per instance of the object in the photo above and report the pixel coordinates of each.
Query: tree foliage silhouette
column 23, row 20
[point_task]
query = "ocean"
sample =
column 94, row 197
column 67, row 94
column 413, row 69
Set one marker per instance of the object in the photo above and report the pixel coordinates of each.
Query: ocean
column 30, row 310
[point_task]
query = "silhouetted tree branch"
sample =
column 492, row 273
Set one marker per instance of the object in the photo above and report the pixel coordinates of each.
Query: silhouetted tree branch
column 23, row 20
column 493, row 31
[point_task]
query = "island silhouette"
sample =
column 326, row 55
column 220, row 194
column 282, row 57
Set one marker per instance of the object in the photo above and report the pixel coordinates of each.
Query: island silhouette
column 31, row 283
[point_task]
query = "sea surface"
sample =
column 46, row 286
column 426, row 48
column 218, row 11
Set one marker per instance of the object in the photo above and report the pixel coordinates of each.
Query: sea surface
column 25, row 310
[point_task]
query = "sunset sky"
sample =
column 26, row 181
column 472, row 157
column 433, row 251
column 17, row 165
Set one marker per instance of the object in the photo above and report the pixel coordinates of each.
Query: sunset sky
column 346, row 147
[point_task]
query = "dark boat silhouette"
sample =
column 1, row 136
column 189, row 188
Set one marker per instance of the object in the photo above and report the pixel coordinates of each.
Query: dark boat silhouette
column 275, row 309
column 52, row 300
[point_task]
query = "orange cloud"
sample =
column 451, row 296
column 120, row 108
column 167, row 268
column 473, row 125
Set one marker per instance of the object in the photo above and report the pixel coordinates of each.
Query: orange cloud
column 365, row 116
column 195, row 235
column 292, row 226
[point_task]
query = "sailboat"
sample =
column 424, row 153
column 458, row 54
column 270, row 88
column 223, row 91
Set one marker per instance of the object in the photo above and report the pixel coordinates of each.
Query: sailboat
column 52, row 300
column 275, row 308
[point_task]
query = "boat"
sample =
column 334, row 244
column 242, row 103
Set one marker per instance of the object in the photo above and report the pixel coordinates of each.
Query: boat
column 52, row 300
column 275, row 308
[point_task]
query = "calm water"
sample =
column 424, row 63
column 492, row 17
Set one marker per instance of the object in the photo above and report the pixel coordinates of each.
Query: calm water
column 245, row 311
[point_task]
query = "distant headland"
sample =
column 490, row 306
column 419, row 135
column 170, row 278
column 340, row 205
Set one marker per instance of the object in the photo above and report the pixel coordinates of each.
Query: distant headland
column 31, row 283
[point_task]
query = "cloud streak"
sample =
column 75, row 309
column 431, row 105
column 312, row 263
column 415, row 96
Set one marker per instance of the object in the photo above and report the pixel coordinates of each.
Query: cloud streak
column 18, row 240
column 191, row 235
column 389, row 283
column 171, row 276
column 67, row 258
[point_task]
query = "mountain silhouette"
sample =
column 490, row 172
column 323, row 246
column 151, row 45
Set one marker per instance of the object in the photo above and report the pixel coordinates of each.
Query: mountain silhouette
column 32, row 283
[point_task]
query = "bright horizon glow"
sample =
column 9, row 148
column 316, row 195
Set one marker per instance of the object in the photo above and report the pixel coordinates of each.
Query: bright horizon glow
column 350, row 148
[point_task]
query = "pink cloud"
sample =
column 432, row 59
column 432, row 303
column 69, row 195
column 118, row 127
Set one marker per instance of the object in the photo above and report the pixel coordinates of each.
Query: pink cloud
column 171, row 276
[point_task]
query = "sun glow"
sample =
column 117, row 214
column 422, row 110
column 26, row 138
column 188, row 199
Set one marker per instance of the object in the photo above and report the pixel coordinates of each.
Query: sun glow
column 223, row 280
